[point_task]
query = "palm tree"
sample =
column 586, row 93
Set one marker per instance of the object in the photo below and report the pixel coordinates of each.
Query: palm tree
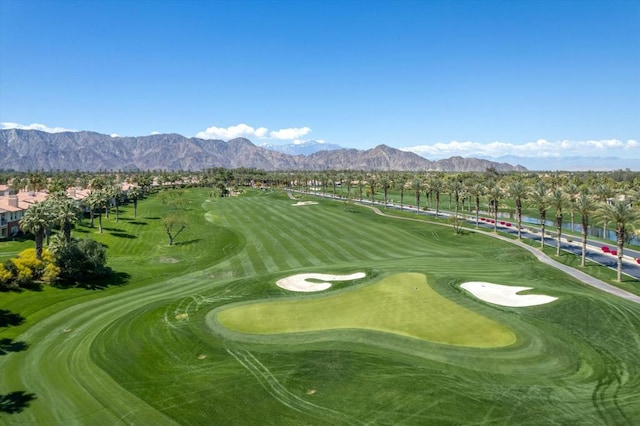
column 133, row 194
column 116, row 194
column 518, row 192
column 538, row 196
column 558, row 200
column 494, row 193
column 361, row 186
column 36, row 220
column 457, row 188
column 385, row 184
column 65, row 212
column 416, row 186
column 571, row 189
column 623, row 215
column 401, row 182
column 97, row 200
column 602, row 193
column 476, row 190
column 435, row 186
column 585, row 204
column 349, row 180
column 372, row 187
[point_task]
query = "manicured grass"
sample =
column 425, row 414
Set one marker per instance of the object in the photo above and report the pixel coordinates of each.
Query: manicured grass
column 402, row 304
column 144, row 352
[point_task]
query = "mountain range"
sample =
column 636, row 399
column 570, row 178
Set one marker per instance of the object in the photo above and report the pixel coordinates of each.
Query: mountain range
column 25, row 150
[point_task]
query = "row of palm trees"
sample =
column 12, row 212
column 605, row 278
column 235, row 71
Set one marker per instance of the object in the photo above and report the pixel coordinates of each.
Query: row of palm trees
column 590, row 195
column 547, row 194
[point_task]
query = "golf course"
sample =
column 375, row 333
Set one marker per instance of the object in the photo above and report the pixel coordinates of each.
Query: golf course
column 273, row 311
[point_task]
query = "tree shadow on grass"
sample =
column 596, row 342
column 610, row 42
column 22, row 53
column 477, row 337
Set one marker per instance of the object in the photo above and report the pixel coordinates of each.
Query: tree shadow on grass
column 188, row 242
column 98, row 283
column 114, row 279
column 9, row 345
column 8, row 318
column 15, row 402
column 152, row 218
column 136, row 222
column 123, row 235
column 108, row 228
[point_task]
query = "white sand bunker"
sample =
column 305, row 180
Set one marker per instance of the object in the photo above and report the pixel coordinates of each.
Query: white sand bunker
column 505, row 295
column 299, row 282
column 304, row 203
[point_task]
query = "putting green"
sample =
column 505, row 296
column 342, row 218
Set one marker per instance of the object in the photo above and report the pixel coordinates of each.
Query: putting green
column 402, row 304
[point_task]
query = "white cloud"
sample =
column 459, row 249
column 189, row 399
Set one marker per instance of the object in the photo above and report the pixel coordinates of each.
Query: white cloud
column 114, row 135
column 539, row 148
column 155, row 132
column 35, row 126
column 245, row 131
column 289, row 134
column 239, row 131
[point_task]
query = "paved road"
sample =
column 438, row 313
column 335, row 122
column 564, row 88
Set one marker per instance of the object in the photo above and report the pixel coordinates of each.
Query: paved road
column 594, row 252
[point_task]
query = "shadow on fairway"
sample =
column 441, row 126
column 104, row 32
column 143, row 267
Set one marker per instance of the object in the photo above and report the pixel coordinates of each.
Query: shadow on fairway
column 151, row 218
column 186, row 243
column 115, row 279
column 135, row 222
column 100, row 283
column 15, row 402
column 8, row 345
column 123, row 235
column 8, row 318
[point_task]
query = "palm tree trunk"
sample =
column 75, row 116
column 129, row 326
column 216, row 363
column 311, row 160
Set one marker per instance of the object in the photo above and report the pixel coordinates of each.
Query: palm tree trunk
column 585, row 225
column 66, row 230
column 620, row 237
column 559, row 236
column 543, row 219
column 519, row 218
column 39, row 239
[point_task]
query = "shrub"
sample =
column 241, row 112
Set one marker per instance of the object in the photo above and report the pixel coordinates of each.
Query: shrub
column 81, row 262
column 51, row 272
column 7, row 277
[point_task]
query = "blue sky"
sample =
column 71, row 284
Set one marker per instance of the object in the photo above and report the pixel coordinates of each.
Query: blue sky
column 441, row 78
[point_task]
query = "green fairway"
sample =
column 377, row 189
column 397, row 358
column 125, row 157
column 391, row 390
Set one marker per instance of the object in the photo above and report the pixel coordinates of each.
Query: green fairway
column 199, row 332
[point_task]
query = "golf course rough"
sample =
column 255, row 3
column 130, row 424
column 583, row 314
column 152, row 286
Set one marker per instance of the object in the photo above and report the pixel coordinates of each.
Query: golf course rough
column 160, row 349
